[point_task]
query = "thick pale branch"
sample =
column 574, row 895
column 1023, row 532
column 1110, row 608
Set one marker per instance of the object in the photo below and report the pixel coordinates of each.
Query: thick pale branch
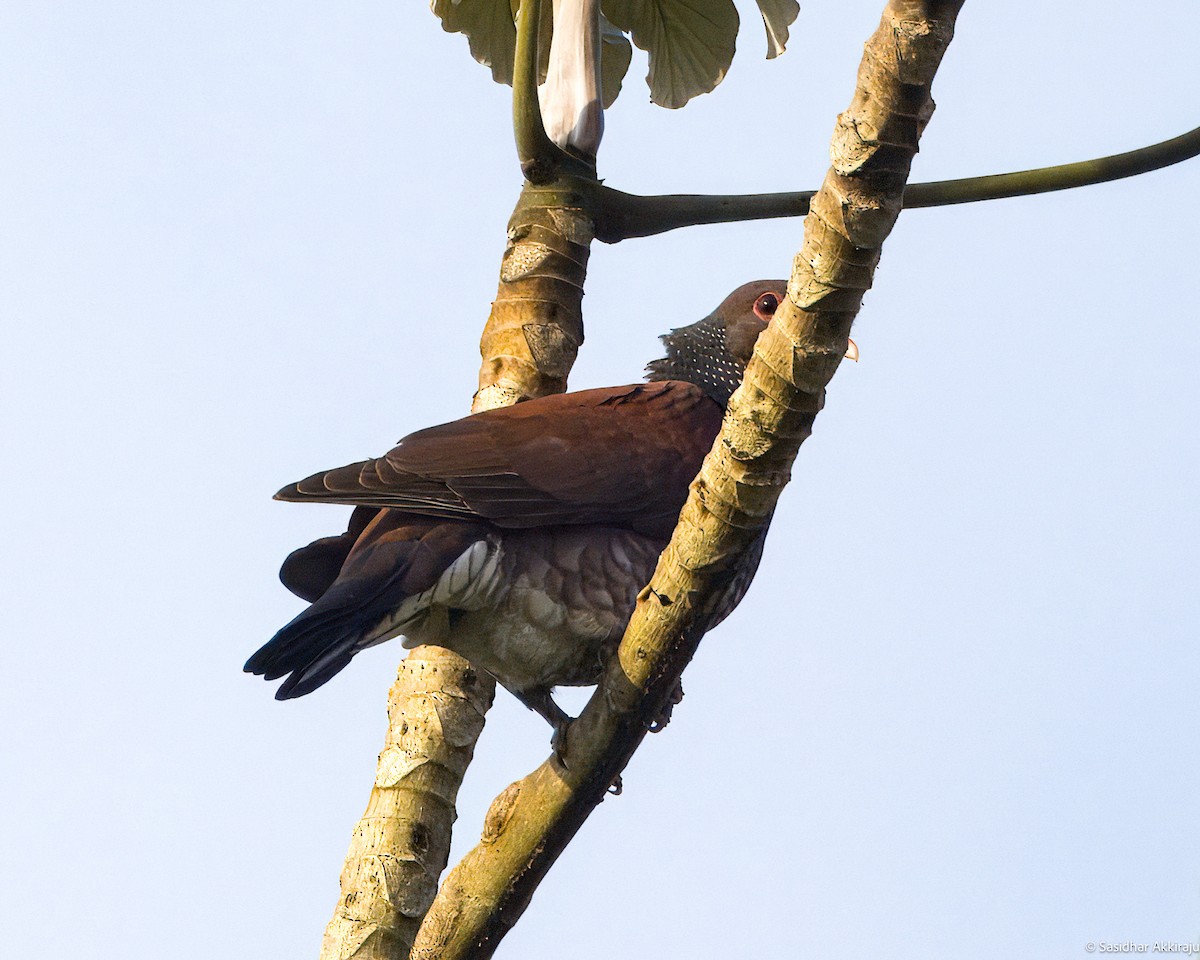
column 438, row 702
column 536, row 324
column 437, row 705
column 735, row 493
column 399, row 848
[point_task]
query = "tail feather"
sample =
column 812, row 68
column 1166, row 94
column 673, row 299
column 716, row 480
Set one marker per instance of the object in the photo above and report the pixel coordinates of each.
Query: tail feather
column 394, row 558
column 310, row 571
column 325, row 637
column 314, row 675
column 301, row 642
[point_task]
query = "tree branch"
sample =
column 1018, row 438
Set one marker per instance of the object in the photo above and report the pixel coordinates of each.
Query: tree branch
column 770, row 415
column 1082, row 173
column 400, row 846
column 623, row 216
column 536, row 323
column 437, row 705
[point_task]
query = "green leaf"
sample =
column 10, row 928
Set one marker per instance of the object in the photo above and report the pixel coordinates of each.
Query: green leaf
column 777, row 16
column 690, row 43
column 489, row 28
column 615, row 54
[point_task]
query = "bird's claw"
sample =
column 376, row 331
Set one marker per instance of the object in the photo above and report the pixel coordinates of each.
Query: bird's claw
column 663, row 717
column 558, row 743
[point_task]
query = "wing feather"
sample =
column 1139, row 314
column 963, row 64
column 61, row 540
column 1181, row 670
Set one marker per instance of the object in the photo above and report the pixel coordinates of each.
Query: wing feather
column 618, row 455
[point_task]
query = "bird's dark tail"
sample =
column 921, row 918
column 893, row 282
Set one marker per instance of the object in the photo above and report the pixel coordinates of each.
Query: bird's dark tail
column 395, row 557
column 315, row 645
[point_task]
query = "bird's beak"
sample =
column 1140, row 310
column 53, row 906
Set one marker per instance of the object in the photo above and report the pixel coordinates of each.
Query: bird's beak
column 851, row 350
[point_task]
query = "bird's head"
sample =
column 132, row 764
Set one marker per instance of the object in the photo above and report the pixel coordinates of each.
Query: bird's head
column 712, row 353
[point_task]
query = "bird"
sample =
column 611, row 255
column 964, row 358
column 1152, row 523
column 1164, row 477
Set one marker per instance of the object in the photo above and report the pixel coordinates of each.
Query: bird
column 519, row 537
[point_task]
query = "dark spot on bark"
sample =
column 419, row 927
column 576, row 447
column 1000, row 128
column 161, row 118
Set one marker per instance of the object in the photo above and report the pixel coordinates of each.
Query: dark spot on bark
column 420, row 839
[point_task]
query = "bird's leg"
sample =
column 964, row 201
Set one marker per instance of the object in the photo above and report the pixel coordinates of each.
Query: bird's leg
column 540, row 702
column 663, row 716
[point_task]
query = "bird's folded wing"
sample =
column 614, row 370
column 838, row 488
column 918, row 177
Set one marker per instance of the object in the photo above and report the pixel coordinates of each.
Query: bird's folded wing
column 616, row 455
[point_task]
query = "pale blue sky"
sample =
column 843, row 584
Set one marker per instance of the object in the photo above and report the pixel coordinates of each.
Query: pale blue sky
column 957, row 716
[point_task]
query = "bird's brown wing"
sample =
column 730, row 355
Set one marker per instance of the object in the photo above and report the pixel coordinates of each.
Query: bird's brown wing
column 617, row 455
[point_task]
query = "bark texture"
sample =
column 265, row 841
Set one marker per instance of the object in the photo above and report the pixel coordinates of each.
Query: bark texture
column 769, row 417
column 536, row 324
column 437, row 705
column 399, row 848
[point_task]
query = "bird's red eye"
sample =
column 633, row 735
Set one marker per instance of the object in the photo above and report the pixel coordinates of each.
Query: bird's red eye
column 766, row 305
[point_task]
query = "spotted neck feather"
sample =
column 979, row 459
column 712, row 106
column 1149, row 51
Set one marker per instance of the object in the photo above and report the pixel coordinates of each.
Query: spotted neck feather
column 699, row 354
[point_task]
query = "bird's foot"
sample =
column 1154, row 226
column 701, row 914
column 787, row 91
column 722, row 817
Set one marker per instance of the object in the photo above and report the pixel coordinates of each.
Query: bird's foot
column 540, row 702
column 558, row 744
column 663, row 717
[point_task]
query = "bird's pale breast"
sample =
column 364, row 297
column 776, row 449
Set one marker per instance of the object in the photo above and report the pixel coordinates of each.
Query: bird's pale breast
column 535, row 608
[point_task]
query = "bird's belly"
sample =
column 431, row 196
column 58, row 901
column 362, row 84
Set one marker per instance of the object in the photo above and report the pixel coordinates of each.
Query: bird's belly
column 556, row 603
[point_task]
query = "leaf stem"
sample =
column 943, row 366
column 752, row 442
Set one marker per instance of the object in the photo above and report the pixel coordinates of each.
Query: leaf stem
column 622, row 216
column 542, row 160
